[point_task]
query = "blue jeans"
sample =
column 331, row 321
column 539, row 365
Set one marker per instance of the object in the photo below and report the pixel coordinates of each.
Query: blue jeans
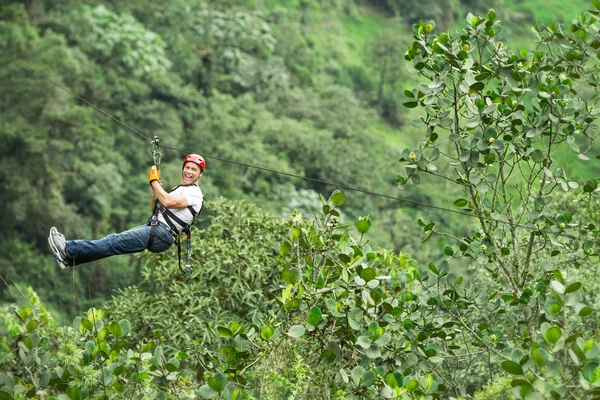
column 133, row 240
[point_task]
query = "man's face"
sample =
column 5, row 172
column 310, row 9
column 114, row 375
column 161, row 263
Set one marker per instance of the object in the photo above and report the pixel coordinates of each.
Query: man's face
column 190, row 174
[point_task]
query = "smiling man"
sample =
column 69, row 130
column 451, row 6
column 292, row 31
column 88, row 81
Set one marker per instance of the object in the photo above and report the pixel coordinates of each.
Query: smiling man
column 172, row 213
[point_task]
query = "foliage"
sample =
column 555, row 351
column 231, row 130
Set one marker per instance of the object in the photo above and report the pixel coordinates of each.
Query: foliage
column 89, row 360
column 504, row 115
column 233, row 270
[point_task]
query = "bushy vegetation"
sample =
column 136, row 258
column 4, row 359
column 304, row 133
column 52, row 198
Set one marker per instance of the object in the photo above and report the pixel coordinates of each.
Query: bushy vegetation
column 494, row 300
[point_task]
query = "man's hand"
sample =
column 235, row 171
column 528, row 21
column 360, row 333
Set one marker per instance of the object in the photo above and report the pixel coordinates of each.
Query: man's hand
column 153, row 175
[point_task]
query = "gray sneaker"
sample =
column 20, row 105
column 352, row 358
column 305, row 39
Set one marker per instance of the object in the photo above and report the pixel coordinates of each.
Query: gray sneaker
column 58, row 244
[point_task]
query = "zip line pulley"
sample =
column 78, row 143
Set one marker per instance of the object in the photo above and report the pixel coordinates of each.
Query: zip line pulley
column 156, row 154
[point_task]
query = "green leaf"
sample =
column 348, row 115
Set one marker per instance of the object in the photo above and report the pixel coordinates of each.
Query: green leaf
column 357, row 373
column 553, row 335
column 391, row 381
column 573, row 287
column 461, row 203
column 225, row 332
column 512, row 367
column 207, row 392
column 328, row 356
column 337, row 198
column 171, row 367
column 538, row 156
column 314, row 316
column 125, row 327
column 368, row 274
column 32, row 325
column 115, row 329
column 296, row 331
column 537, row 358
column 86, row 325
column 289, row 277
column 295, row 234
column 214, row 384
column 108, row 377
column 364, row 224
column 267, row 332
column 412, row 385
column 73, row 393
column 589, row 372
column 368, row 378
column 285, row 248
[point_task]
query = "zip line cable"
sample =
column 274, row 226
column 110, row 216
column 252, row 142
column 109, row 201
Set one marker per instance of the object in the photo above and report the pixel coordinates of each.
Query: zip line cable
column 352, row 188
column 78, row 97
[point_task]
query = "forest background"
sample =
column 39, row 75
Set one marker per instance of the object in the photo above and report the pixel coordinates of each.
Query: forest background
column 309, row 88
column 270, row 84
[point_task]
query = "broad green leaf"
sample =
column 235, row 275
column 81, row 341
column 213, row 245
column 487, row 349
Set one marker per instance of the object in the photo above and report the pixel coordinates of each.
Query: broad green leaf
column 512, row 367
column 289, row 277
column 95, row 314
column 461, row 203
column 537, row 358
column 297, row 331
column 538, row 156
column 267, row 332
column 86, row 325
column 214, row 384
column 534, row 396
column 32, row 325
column 412, row 385
column 285, row 248
column 74, row 393
column 337, row 198
column 225, row 332
column 357, row 373
column 368, row 378
column 573, row 287
column 115, row 329
column 125, row 327
column 207, row 392
column 553, row 335
column 328, row 356
column 368, row 274
column 108, row 377
column 171, row 367
column 314, row 316
column 391, row 381
column 295, row 234
column 364, row 224
column 589, row 372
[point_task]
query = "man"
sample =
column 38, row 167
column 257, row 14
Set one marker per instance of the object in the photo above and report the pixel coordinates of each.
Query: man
column 173, row 212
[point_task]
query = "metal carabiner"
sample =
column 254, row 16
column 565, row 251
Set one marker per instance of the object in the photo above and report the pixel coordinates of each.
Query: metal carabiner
column 156, row 154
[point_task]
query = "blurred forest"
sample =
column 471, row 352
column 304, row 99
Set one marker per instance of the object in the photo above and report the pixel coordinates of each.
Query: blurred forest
column 305, row 87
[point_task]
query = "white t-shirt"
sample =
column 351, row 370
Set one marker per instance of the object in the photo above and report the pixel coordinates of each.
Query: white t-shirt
column 194, row 198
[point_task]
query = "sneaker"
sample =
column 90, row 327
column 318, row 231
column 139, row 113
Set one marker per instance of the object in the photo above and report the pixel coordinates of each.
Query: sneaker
column 58, row 244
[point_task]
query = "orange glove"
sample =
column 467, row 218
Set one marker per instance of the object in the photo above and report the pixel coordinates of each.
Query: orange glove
column 153, row 175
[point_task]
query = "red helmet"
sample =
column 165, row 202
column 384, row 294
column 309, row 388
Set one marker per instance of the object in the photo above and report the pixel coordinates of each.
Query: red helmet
column 196, row 159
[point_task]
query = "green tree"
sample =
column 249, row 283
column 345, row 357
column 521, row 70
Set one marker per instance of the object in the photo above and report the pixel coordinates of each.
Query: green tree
column 505, row 114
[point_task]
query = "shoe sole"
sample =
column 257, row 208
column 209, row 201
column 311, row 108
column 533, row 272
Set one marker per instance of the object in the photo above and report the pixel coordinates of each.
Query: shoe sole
column 61, row 263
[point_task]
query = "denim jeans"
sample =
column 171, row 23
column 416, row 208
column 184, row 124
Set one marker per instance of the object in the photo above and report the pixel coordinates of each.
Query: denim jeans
column 133, row 240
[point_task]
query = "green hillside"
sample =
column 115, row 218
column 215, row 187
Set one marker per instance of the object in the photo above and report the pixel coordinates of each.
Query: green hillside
column 401, row 198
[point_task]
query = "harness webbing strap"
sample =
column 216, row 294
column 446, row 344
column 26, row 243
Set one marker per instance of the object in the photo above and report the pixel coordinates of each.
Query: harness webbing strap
column 170, row 218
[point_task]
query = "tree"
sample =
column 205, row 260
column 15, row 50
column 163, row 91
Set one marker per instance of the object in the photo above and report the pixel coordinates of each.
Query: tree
column 505, row 115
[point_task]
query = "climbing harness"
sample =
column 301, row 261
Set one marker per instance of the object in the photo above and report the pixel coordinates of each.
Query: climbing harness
column 170, row 218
